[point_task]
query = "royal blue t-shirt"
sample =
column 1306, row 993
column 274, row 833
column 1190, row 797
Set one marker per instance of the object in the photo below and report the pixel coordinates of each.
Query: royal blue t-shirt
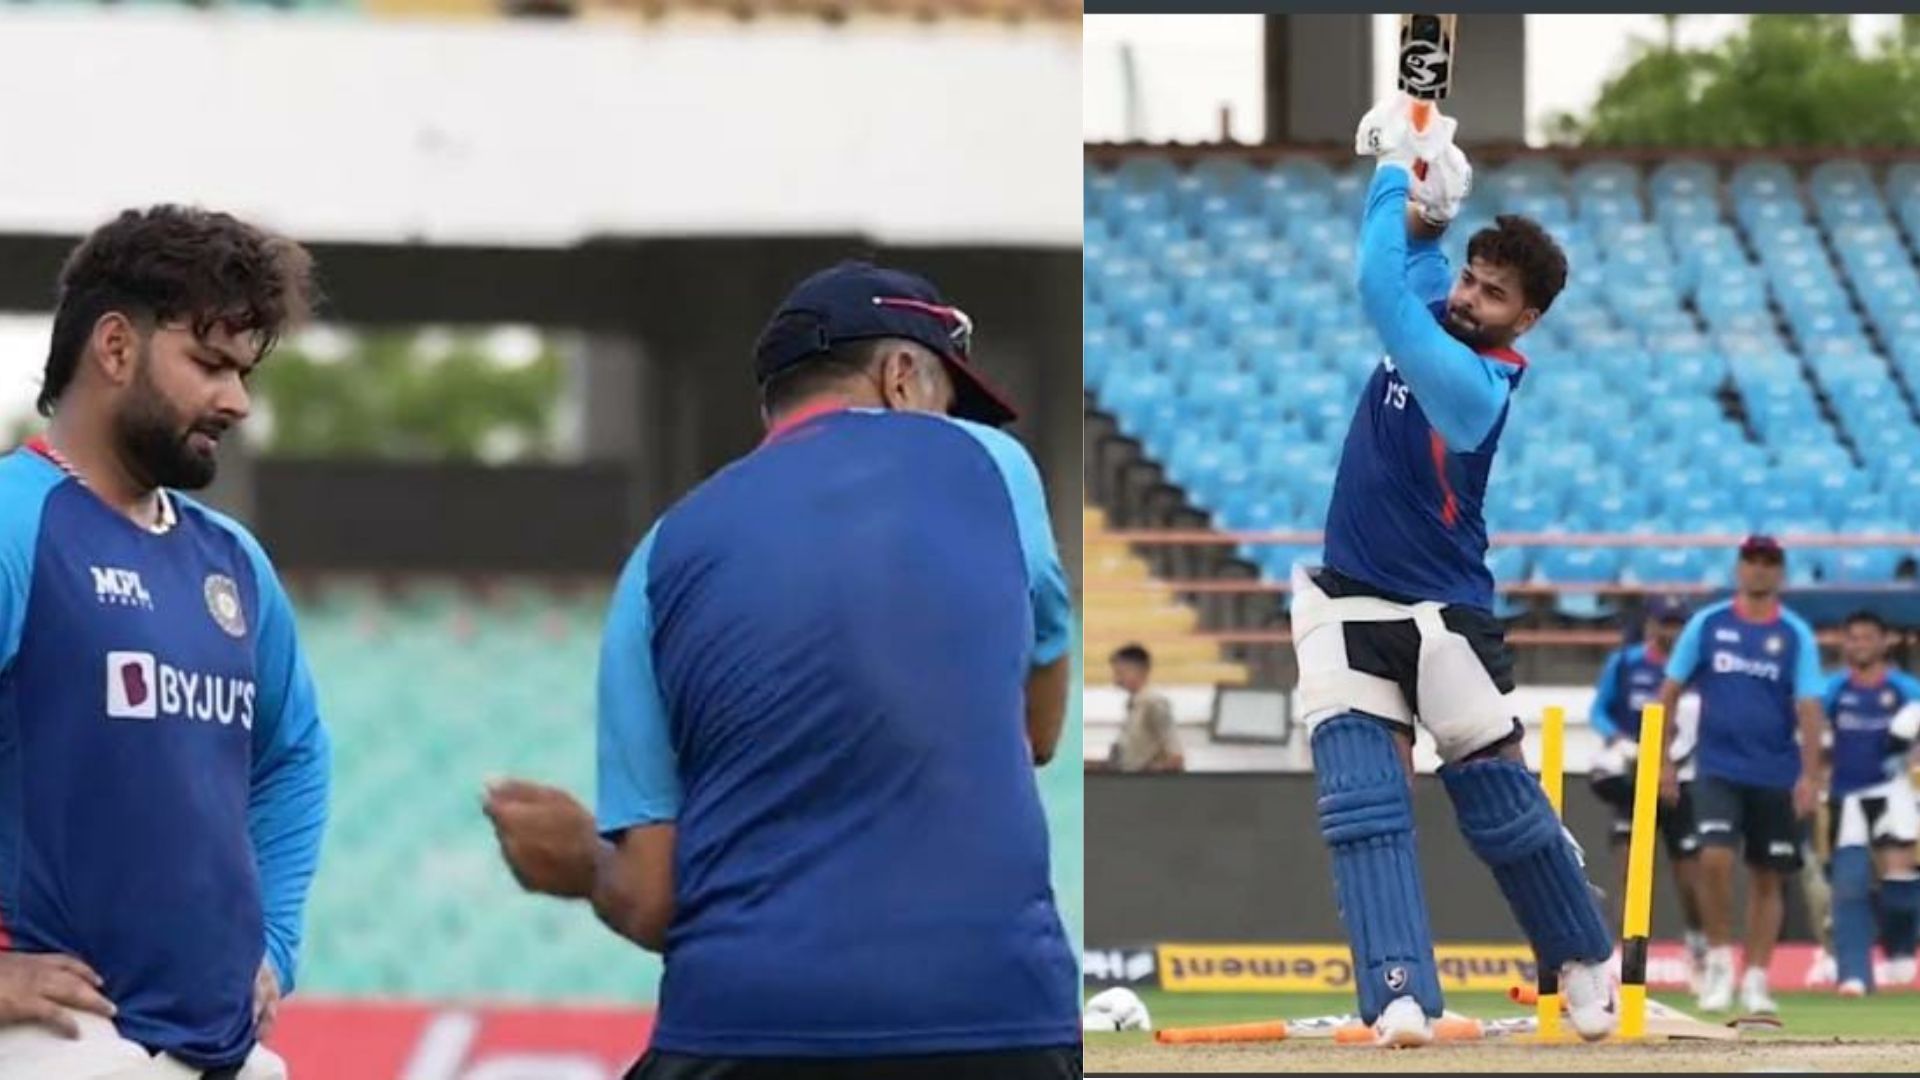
column 162, row 760
column 1628, row 683
column 1748, row 673
column 1407, row 514
column 815, row 667
column 1862, row 716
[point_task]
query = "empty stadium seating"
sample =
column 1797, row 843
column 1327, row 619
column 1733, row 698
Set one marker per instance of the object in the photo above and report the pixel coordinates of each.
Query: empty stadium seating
column 1125, row 605
column 429, row 691
column 1737, row 349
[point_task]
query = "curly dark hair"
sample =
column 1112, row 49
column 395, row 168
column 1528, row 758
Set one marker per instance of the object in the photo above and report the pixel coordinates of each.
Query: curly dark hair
column 177, row 262
column 1519, row 242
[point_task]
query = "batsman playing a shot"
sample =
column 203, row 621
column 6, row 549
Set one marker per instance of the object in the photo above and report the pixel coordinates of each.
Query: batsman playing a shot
column 162, row 756
column 1396, row 627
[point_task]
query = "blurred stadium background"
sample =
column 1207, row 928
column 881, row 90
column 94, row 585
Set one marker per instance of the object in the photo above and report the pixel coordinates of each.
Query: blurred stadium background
column 549, row 243
column 1738, row 349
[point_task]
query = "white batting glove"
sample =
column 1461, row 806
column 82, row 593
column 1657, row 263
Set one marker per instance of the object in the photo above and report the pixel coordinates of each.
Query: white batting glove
column 1387, row 133
column 1440, row 194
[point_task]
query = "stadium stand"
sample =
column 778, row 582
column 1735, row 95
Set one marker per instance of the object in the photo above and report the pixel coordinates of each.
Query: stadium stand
column 430, row 688
column 1737, row 349
column 1127, row 605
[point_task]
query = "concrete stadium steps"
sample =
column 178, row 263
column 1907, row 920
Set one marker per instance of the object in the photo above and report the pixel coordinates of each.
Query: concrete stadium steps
column 1123, row 603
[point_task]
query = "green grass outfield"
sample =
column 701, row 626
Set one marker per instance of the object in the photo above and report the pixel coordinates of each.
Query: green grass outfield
column 1804, row 1015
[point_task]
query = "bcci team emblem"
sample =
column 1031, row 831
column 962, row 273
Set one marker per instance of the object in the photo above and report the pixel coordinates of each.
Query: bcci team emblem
column 223, row 603
column 1774, row 645
column 1396, row 978
column 1886, row 699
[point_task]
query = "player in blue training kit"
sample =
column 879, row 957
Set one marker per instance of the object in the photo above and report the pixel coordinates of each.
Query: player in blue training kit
column 160, row 748
column 1756, row 668
column 828, row 674
column 1629, row 681
column 1397, row 626
column 1874, row 710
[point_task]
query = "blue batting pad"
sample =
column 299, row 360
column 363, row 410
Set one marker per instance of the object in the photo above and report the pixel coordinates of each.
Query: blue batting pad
column 1366, row 816
column 1851, row 876
column 1900, row 915
column 1507, row 821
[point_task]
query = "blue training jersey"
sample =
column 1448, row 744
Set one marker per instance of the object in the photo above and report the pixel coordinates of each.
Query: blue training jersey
column 162, row 756
column 1862, row 716
column 815, row 666
column 1629, row 682
column 1406, row 515
column 1748, row 672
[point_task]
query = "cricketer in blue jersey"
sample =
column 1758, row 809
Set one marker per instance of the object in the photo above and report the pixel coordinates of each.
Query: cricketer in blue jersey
column 1629, row 681
column 1396, row 628
column 160, row 744
column 828, row 674
column 1874, row 712
column 1756, row 668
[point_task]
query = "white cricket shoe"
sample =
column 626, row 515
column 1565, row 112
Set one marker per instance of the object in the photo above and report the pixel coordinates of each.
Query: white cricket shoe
column 1716, row 982
column 1824, row 972
column 1901, row 971
column 1852, row 988
column 1592, row 999
column 1696, row 962
column 1755, row 996
column 1403, row 1023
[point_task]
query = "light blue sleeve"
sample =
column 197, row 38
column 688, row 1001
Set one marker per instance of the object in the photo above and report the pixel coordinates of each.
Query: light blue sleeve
column 1808, row 682
column 1908, row 686
column 637, row 771
column 25, row 479
column 292, row 765
column 1600, row 718
column 1461, row 391
column 1686, row 651
column 1428, row 274
column 1046, row 580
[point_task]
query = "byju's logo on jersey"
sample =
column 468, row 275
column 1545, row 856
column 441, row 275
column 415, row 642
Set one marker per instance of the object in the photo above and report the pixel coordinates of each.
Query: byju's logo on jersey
column 121, row 588
column 140, row 687
column 1726, row 663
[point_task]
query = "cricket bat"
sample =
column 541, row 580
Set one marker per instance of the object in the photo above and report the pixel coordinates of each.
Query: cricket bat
column 1426, row 66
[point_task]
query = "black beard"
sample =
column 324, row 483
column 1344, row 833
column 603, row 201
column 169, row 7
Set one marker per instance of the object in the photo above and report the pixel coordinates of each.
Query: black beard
column 153, row 441
column 1478, row 339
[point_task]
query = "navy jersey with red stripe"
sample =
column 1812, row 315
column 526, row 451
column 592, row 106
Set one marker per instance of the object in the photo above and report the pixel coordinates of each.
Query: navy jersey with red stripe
column 163, row 769
column 815, row 667
column 1406, row 515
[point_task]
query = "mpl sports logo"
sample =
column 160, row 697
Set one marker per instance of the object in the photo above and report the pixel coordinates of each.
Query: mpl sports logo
column 139, row 687
column 119, row 588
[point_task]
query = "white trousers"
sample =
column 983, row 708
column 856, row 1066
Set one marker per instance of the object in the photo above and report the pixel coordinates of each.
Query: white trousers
column 33, row 1052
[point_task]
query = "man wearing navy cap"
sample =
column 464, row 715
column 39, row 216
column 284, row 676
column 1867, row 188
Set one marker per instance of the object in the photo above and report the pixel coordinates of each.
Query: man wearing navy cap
column 1756, row 667
column 1629, row 681
column 827, row 676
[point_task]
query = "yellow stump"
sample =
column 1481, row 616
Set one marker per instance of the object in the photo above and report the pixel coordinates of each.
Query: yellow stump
column 1553, row 745
column 1639, row 905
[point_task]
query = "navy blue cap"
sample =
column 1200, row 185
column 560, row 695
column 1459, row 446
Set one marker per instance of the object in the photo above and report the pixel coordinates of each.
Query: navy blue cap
column 858, row 301
column 1667, row 608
